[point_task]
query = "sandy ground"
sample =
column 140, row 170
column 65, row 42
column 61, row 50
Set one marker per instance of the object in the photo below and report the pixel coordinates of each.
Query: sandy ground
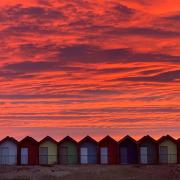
column 91, row 172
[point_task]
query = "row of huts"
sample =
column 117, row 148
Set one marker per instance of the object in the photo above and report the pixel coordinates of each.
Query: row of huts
column 88, row 151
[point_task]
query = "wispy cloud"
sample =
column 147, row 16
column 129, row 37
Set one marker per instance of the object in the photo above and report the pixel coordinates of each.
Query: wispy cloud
column 89, row 67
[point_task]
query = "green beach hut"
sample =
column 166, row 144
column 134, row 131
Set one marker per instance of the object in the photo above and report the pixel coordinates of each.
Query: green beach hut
column 68, row 151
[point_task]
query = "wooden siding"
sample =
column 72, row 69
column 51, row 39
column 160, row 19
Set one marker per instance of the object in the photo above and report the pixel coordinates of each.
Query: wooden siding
column 172, row 151
column 32, row 147
column 112, row 150
column 52, row 151
column 72, row 153
column 11, row 156
column 131, row 148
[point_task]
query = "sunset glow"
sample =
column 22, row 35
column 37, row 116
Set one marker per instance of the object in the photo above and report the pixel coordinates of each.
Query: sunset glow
column 81, row 67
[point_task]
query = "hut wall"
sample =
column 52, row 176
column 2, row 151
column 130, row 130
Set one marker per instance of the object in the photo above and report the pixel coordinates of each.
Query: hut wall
column 112, row 151
column 151, row 152
column 178, row 151
column 92, row 151
column 72, row 152
column 131, row 152
column 9, row 149
column 52, row 151
column 32, row 152
column 172, row 151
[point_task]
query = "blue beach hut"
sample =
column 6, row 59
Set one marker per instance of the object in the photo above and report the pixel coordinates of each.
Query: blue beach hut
column 88, row 149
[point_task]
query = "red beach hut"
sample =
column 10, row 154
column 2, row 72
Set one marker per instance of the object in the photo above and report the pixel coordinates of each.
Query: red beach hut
column 28, row 151
column 108, row 151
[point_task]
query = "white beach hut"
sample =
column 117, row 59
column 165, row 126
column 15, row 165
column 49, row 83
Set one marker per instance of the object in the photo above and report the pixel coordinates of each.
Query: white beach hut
column 8, row 151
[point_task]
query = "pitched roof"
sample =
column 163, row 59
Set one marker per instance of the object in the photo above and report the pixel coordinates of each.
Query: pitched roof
column 147, row 138
column 7, row 138
column 167, row 137
column 107, row 138
column 88, row 138
column 28, row 138
column 68, row 138
column 48, row 138
column 127, row 138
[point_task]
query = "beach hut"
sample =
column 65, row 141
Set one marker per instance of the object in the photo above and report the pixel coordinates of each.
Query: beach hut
column 28, row 151
column 167, row 150
column 88, row 148
column 8, row 151
column 47, row 151
column 68, row 151
column 108, row 151
column 148, row 150
column 128, row 153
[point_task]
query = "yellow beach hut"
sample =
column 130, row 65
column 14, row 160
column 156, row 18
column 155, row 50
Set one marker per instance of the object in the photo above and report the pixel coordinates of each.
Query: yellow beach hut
column 167, row 150
column 47, row 151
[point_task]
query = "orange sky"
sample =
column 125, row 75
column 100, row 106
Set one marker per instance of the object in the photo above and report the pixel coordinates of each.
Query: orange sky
column 89, row 67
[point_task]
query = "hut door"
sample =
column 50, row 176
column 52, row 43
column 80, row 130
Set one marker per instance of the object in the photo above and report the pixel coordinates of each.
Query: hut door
column 104, row 155
column 64, row 155
column 24, row 156
column 144, row 155
column 43, row 152
column 163, row 154
column 4, row 153
column 123, row 155
column 84, row 155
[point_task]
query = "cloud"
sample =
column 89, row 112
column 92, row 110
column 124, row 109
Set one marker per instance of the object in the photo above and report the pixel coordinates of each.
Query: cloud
column 170, row 76
column 116, row 70
column 124, row 9
column 38, row 96
column 67, row 58
column 84, row 65
column 28, row 66
column 35, row 12
column 149, row 72
column 27, row 29
column 173, row 18
column 89, row 54
column 145, row 31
